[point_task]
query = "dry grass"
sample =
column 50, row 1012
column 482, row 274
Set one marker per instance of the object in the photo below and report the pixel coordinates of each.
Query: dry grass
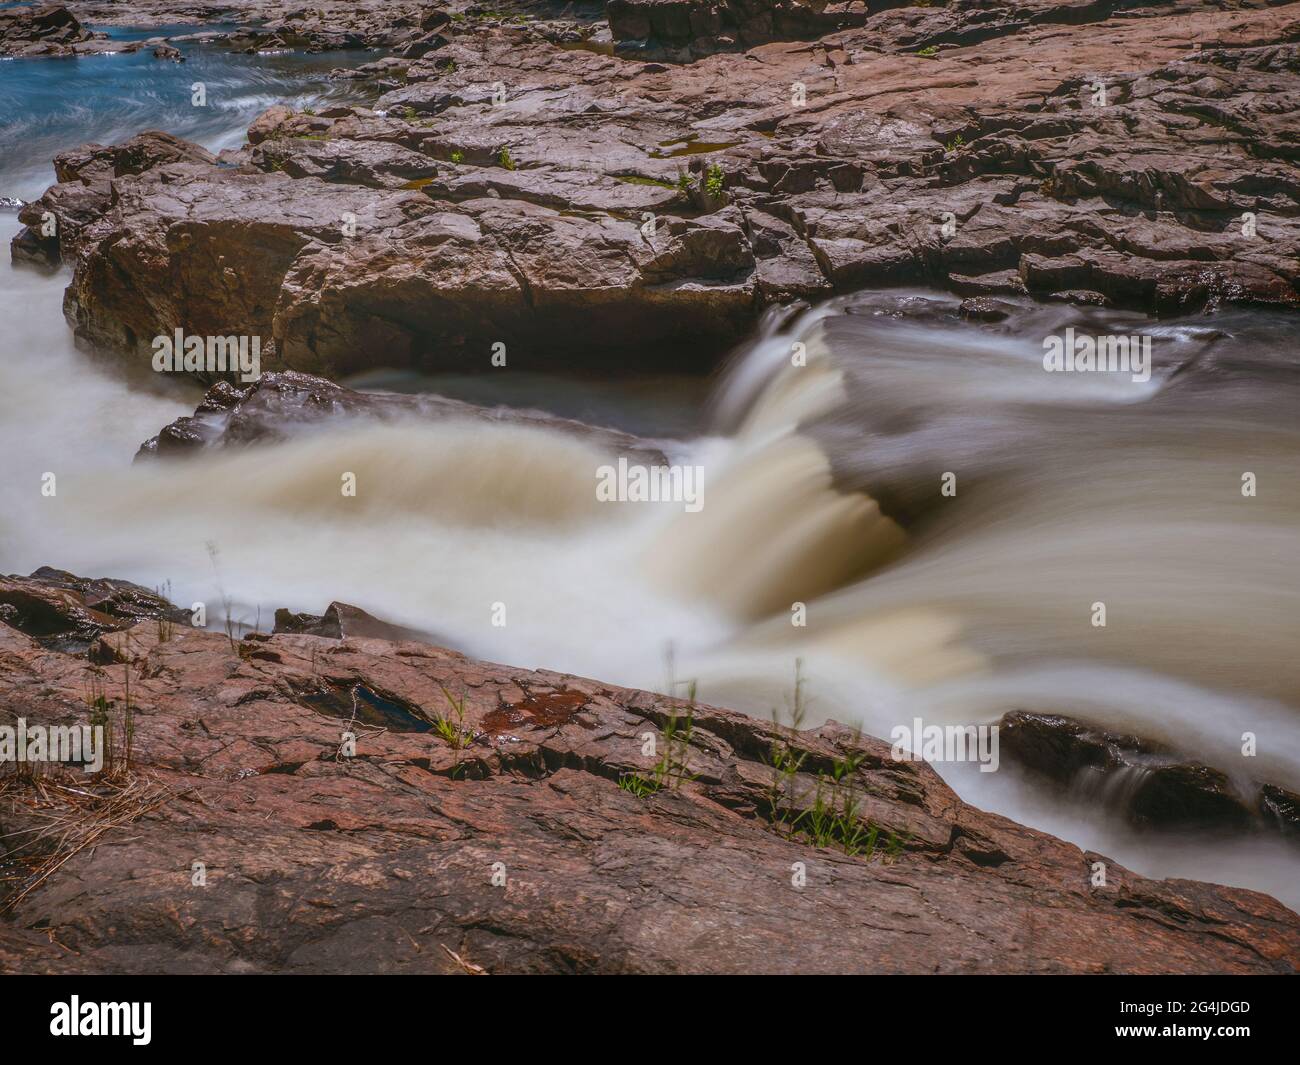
column 73, row 819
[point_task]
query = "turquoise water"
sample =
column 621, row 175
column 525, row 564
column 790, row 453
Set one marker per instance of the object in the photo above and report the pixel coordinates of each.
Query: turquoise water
column 49, row 105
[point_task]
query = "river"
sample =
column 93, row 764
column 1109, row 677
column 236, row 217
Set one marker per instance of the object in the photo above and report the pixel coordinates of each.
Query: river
column 1070, row 490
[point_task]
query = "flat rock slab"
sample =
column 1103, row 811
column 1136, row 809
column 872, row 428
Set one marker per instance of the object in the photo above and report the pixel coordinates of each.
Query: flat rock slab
column 517, row 184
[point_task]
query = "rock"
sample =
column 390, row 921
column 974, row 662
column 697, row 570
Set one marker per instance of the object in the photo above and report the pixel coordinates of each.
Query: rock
column 1149, row 783
column 315, row 861
column 702, row 27
column 341, row 621
column 667, row 206
column 84, row 191
column 68, row 612
column 283, row 405
column 1282, row 807
column 45, row 29
column 983, row 309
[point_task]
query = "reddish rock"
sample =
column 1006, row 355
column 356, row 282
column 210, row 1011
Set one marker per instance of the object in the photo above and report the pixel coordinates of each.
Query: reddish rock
column 62, row 610
column 314, row 861
column 43, row 29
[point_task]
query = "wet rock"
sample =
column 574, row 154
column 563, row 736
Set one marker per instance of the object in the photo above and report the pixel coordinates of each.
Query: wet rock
column 1149, row 783
column 393, row 845
column 68, row 612
column 283, row 405
column 341, row 621
column 1282, row 807
column 983, row 309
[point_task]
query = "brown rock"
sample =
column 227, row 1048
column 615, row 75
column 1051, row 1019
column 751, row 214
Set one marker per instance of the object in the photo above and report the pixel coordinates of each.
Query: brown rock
column 283, row 405
column 62, row 610
column 319, row 862
column 668, row 205
column 342, row 620
column 44, row 29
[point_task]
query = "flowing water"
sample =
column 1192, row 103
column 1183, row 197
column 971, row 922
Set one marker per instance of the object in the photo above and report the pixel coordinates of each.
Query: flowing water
column 1071, row 489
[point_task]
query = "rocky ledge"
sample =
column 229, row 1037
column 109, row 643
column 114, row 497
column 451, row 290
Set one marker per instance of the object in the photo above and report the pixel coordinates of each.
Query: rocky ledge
column 301, row 803
column 42, row 30
column 280, row 406
column 522, row 182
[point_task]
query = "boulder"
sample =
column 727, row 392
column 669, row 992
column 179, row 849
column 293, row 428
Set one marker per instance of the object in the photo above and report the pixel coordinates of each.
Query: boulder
column 341, row 621
column 41, row 29
column 1149, row 783
column 283, row 405
column 65, row 611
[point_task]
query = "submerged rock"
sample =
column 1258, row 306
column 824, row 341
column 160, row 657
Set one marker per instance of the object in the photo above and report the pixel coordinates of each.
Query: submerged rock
column 282, row 405
column 1149, row 783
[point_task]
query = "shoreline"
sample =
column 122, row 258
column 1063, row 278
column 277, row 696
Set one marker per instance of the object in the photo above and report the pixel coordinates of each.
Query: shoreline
column 240, row 762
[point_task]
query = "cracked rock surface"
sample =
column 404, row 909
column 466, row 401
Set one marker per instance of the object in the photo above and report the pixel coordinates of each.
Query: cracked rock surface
column 519, row 182
column 385, row 861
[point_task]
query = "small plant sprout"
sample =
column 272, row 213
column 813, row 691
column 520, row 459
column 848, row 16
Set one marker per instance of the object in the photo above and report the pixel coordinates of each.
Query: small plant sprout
column 827, row 811
column 673, row 765
column 504, row 158
column 452, row 729
column 457, row 156
column 166, row 624
column 714, row 179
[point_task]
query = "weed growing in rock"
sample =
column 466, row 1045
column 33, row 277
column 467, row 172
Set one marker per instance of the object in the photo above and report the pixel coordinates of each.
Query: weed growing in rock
column 713, row 181
column 503, row 157
column 454, row 731
column 166, row 626
column 830, row 816
column 673, row 765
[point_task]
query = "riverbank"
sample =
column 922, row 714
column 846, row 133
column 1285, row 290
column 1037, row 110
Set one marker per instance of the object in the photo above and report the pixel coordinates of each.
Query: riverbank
column 301, row 804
